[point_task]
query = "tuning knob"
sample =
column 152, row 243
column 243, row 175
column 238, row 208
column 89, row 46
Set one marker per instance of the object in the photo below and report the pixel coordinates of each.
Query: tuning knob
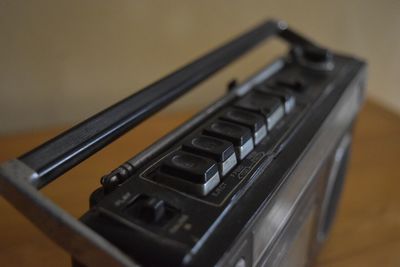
column 314, row 58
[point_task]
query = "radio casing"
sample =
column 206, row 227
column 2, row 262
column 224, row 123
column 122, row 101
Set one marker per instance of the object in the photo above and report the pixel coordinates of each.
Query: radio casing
column 283, row 194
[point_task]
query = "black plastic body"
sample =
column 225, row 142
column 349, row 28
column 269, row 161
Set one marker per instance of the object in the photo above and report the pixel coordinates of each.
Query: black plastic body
column 220, row 218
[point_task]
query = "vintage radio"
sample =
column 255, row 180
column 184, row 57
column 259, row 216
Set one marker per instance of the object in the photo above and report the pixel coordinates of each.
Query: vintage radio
column 252, row 180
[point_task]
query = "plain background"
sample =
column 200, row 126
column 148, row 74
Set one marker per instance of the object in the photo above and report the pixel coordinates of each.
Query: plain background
column 61, row 61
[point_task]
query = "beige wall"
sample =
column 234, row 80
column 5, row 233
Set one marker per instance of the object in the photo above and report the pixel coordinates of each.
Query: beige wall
column 61, row 61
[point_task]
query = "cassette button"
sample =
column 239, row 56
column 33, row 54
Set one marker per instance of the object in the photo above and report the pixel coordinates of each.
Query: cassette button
column 254, row 121
column 239, row 135
column 269, row 106
column 147, row 209
column 189, row 173
column 285, row 95
column 151, row 210
column 220, row 150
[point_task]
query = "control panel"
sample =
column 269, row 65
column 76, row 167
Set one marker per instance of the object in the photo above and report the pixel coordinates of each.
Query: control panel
column 171, row 202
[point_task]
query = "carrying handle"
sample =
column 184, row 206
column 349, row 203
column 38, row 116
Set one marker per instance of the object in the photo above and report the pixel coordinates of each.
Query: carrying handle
column 60, row 154
column 21, row 178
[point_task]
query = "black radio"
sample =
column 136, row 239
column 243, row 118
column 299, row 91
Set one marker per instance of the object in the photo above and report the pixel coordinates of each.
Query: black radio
column 252, row 180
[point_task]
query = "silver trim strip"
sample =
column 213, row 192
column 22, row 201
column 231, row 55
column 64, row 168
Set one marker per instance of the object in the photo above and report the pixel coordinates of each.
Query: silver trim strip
column 275, row 117
column 245, row 149
column 228, row 164
column 290, row 104
column 260, row 134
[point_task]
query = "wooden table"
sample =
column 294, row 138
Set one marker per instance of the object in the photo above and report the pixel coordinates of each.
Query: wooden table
column 367, row 228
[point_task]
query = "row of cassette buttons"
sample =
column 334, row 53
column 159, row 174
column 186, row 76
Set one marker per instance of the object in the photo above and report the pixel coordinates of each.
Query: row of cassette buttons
column 202, row 161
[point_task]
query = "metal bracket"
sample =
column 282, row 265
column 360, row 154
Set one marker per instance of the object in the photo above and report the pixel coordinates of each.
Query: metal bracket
column 84, row 244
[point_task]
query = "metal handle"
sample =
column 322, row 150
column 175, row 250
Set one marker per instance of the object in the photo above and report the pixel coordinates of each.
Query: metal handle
column 63, row 152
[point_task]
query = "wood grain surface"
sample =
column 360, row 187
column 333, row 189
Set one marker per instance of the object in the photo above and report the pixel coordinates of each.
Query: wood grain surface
column 366, row 231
